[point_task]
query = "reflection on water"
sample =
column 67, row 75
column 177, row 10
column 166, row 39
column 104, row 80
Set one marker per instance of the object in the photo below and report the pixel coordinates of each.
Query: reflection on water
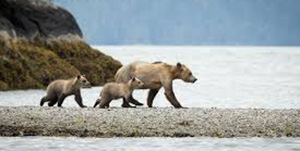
column 228, row 77
column 148, row 144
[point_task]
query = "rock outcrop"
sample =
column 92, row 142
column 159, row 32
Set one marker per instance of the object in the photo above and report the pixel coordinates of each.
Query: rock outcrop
column 40, row 42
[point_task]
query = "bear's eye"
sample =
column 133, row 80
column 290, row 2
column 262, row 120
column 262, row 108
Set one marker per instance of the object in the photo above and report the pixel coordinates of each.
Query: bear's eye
column 190, row 73
column 84, row 81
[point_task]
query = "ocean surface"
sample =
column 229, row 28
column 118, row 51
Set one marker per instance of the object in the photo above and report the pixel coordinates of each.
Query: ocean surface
column 148, row 144
column 228, row 77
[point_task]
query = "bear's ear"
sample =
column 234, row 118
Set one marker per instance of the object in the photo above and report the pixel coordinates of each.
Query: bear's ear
column 179, row 65
column 78, row 76
column 133, row 78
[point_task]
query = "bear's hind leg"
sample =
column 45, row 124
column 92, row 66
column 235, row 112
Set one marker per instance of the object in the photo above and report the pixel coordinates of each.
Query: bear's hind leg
column 151, row 95
column 104, row 102
column 97, row 102
column 52, row 101
column 61, row 99
column 43, row 100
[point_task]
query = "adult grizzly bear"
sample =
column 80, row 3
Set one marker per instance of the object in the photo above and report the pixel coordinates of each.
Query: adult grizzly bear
column 155, row 75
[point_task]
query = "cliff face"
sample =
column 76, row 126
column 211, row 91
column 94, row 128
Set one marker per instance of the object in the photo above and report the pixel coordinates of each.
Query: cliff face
column 40, row 42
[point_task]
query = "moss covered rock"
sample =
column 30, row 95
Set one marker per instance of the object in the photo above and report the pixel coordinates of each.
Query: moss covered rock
column 24, row 65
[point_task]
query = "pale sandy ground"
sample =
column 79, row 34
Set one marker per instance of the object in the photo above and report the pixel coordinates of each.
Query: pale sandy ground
column 155, row 122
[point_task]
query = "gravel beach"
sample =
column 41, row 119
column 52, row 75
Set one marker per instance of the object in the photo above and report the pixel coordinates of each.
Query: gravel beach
column 148, row 122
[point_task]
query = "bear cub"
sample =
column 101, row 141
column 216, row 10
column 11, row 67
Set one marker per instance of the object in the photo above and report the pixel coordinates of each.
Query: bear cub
column 113, row 91
column 58, row 90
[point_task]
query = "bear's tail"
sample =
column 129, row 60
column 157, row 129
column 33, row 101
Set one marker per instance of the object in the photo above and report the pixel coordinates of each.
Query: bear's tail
column 97, row 102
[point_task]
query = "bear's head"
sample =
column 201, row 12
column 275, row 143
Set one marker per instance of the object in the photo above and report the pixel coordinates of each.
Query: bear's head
column 184, row 73
column 81, row 81
column 136, row 83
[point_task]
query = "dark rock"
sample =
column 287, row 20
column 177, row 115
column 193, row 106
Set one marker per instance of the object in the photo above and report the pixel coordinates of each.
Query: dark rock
column 182, row 135
column 27, row 18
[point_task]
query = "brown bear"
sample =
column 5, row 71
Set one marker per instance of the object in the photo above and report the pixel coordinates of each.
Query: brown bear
column 58, row 90
column 155, row 75
column 113, row 91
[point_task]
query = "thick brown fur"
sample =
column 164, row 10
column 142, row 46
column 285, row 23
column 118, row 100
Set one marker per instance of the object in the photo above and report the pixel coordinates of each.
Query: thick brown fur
column 58, row 90
column 112, row 91
column 155, row 76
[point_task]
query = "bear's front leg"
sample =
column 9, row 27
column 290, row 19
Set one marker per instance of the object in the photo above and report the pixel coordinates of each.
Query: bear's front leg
column 171, row 96
column 134, row 101
column 78, row 99
column 126, row 103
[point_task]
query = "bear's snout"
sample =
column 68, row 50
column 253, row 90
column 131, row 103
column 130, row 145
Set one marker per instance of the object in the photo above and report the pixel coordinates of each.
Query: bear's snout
column 87, row 85
column 141, row 84
column 192, row 79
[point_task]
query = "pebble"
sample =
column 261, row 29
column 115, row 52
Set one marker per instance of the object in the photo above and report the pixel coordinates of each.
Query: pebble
column 148, row 122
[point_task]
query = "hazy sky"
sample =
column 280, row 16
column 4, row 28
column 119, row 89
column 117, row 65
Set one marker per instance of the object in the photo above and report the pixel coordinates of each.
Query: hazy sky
column 187, row 22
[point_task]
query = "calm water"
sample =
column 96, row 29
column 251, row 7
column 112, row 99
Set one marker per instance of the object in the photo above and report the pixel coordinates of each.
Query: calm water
column 234, row 77
column 255, row 77
column 148, row 144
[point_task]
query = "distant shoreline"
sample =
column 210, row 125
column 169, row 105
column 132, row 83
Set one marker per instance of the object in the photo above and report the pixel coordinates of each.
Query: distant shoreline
column 148, row 122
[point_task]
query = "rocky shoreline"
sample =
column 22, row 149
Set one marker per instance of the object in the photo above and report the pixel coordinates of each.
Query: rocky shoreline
column 148, row 122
